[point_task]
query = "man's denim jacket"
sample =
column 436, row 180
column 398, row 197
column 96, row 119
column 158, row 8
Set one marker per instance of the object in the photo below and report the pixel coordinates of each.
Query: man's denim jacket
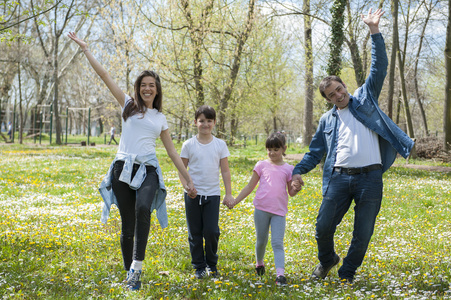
column 364, row 107
column 106, row 191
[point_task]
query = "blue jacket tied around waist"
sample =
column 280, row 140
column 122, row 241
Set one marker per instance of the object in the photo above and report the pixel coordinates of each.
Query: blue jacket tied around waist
column 109, row 198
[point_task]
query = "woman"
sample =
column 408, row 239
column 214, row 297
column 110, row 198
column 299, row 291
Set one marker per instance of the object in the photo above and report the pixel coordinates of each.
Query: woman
column 134, row 181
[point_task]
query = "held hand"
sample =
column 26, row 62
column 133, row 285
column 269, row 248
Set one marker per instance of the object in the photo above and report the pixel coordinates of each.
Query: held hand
column 190, row 189
column 79, row 41
column 229, row 201
column 372, row 19
column 193, row 195
column 296, row 182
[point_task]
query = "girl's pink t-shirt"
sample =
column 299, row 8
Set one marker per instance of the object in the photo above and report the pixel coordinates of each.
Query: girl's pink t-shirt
column 271, row 195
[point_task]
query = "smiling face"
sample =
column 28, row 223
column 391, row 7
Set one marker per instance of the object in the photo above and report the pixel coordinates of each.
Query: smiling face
column 204, row 126
column 148, row 90
column 337, row 94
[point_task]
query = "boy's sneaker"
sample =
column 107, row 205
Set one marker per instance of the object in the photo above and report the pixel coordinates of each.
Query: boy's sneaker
column 321, row 272
column 132, row 282
column 213, row 272
column 281, row 280
column 346, row 280
column 200, row 273
column 260, row 270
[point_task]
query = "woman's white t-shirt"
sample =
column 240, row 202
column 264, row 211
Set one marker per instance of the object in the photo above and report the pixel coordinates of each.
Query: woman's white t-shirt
column 139, row 132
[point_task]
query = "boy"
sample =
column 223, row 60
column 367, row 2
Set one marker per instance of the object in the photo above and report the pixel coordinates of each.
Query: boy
column 205, row 154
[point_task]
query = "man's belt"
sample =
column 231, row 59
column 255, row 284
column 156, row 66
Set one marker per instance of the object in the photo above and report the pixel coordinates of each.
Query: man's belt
column 355, row 171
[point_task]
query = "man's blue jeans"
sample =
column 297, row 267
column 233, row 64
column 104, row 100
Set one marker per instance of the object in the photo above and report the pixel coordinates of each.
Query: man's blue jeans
column 366, row 191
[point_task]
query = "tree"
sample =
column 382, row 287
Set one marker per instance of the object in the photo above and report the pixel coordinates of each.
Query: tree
column 337, row 37
column 56, row 59
column 354, row 27
column 447, row 110
column 8, row 20
column 359, row 71
column 394, row 50
column 212, row 57
column 57, row 34
column 273, row 76
column 241, row 39
column 198, row 29
column 429, row 7
column 401, row 64
column 122, row 26
column 308, row 48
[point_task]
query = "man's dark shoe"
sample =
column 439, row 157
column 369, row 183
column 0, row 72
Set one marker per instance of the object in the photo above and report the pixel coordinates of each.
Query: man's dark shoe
column 320, row 272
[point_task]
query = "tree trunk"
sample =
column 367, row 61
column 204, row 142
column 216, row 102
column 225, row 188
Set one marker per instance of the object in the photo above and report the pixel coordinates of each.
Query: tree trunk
column 308, row 104
column 447, row 112
column 55, row 86
column 401, row 65
column 227, row 94
column 404, row 98
column 274, row 123
column 337, row 37
column 128, row 70
column 197, row 34
column 21, row 114
column 398, row 107
column 415, row 74
column 391, row 72
column 354, row 49
column 233, row 128
column 197, row 60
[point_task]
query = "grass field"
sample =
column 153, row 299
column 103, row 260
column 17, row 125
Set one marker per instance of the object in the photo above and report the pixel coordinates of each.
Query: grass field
column 53, row 246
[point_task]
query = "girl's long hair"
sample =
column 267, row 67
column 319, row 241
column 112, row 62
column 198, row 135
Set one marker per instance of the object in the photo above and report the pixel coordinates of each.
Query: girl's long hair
column 138, row 105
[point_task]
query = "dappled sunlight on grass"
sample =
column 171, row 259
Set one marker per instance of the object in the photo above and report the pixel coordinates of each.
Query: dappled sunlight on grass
column 53, row 246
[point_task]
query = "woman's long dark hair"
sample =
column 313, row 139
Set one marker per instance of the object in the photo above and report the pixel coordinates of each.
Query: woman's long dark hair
column 138, row 105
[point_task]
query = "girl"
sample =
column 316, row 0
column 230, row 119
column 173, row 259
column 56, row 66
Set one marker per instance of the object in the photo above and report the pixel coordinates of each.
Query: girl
column 134, row 181
column 271, row 203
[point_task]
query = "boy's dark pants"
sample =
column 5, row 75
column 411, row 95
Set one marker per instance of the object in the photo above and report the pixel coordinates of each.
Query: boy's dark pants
column 202, row 217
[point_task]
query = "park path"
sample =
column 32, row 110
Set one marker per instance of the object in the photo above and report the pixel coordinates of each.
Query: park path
column 298, row 157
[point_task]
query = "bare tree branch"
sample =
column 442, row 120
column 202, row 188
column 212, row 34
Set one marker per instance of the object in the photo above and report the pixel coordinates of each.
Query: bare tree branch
column 26, row 19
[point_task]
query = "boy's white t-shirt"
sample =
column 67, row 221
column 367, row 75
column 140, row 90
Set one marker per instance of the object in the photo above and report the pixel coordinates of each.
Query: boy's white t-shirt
column 204, row 164
column 358, row 146
column 140, row 133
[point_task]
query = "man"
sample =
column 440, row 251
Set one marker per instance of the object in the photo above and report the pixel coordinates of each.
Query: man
column 360, row 143
column 10, row 128
column 112, row 132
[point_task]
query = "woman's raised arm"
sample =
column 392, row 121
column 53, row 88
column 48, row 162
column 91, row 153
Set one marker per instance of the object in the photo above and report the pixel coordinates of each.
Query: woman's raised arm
column 100, row 70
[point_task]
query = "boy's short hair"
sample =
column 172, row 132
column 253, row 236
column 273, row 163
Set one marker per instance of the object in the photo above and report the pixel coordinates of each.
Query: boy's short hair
column 208, row 111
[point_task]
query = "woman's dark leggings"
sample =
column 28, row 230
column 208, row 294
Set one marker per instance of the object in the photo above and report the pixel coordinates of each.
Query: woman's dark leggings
column 134, row 207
